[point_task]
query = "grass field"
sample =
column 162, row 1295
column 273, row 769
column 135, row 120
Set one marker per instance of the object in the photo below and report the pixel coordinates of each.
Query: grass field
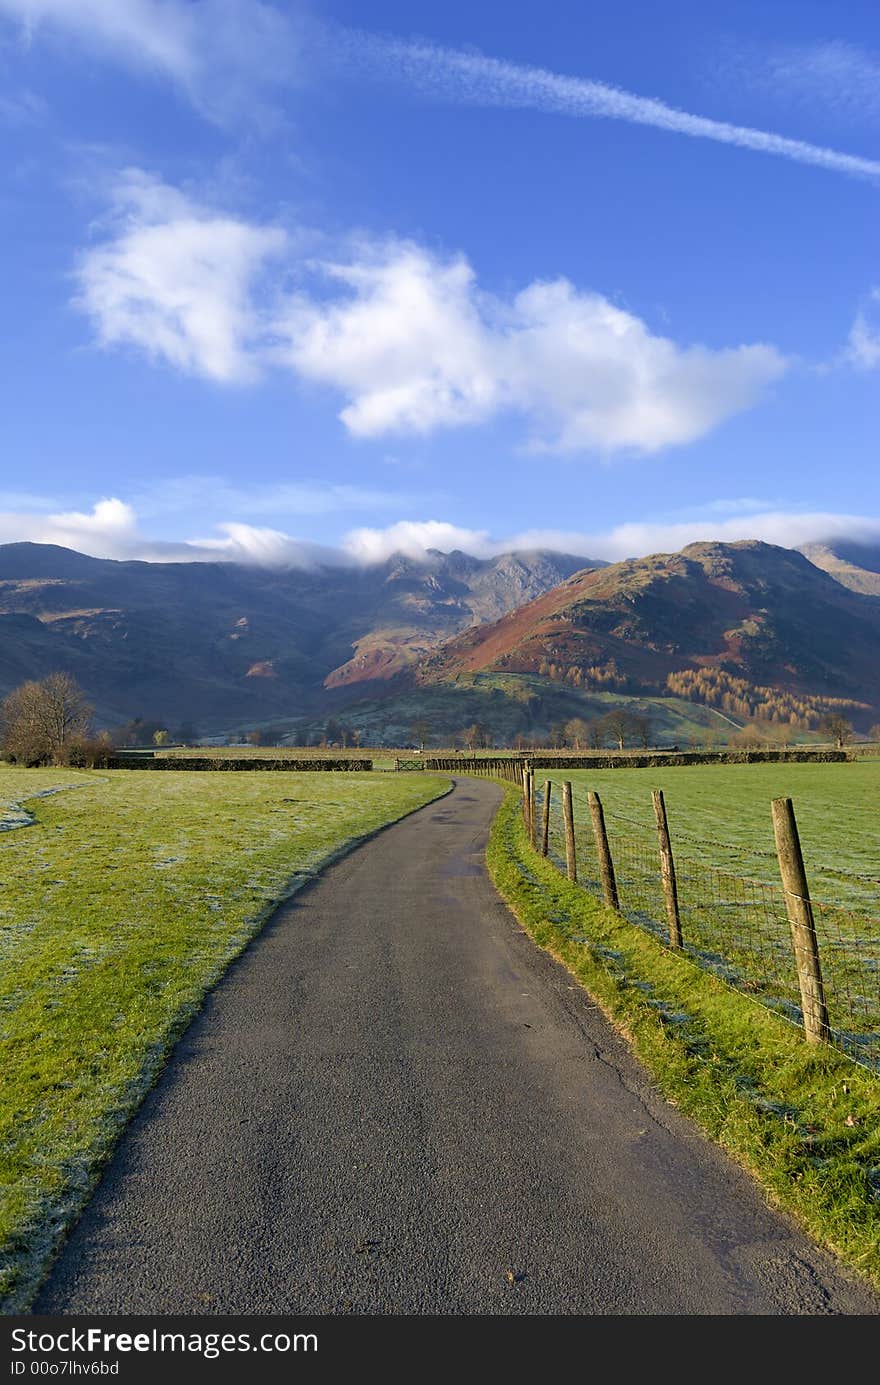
column 720, row 816
column 120, row 906
column 803, row 1119
column 733, row 912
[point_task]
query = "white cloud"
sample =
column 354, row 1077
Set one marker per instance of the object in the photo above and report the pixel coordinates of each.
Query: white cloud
column 414, row 345
column 597, row 377
column 473, row 79
column 863, row 346
column 106, row 532
column 260, row 547
column 179, row 281
column 216, row 51
column 787, row 529
column 406, row 337
column 415, row 538
column 405, row 341
column 111, row 530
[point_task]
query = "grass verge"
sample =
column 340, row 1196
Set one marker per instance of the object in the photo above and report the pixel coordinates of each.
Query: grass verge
column 122, row 904
column 805, row 1122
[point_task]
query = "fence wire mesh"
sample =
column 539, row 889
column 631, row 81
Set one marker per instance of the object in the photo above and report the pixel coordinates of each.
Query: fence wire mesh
column 735, row 926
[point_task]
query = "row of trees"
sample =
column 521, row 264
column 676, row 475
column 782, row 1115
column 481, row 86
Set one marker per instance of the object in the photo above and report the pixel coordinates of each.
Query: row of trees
column 50, row 722
column 149, row 731
column 620, row 729
column 715, row 687
column 617, row 729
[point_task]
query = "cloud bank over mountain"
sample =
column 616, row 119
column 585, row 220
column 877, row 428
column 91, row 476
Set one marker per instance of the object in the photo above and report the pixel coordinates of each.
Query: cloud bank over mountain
column 112, row 530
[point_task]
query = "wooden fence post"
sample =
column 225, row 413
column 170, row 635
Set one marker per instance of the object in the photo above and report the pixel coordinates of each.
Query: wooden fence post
column 603, row 851
column 533, row 812
column 667, row 870
column 800, row 917
column 545, row 825
column 568, row 819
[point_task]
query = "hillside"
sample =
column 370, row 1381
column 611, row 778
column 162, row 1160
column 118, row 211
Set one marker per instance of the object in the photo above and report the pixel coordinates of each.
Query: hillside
column 715, row 622
column 521, row 641
column 219, row 643
column 855, row 565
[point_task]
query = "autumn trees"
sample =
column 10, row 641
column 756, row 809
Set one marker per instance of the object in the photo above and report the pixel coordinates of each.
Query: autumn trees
column 738, row 698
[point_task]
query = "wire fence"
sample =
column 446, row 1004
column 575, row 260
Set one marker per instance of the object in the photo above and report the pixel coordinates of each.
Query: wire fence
column 734, row 926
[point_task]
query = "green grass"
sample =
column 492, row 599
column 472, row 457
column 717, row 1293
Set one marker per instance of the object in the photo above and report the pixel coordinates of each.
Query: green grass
column 720, row 816
column 119, row 908
column 732, row 908
column 802, row 1119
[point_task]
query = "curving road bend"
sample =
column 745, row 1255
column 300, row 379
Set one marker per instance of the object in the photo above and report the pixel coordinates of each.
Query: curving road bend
column 395, row 1103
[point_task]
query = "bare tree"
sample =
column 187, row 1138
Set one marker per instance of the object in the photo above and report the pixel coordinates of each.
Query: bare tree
column 421, row 730
column 837, row 727
column 39, row 722
column 619, row 724
column 475, row 736
column 642, row 726
column 577, row 732
column 20, row 730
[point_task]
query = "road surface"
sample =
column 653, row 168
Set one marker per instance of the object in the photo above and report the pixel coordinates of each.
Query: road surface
column 395, row 1103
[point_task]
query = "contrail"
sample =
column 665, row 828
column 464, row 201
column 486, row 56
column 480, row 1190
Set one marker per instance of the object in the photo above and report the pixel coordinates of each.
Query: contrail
column 475, row 80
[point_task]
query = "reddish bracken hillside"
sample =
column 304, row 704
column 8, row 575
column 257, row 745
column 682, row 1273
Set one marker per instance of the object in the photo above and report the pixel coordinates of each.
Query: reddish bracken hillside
column 751, row 610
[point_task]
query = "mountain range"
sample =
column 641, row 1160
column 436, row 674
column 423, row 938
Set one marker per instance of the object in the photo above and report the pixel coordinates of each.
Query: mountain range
column 221, row 643
column 746, row 629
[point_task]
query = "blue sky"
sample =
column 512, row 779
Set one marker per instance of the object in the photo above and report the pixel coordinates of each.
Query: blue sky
column 284, row 281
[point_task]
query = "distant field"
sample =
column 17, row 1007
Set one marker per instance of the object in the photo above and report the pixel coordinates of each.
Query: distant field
column 512, row 704
column 119, row 908
column 733, row 911
column 720, row 815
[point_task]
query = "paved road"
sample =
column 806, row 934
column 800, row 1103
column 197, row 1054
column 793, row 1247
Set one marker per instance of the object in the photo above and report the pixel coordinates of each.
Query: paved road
column 395, row 1103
